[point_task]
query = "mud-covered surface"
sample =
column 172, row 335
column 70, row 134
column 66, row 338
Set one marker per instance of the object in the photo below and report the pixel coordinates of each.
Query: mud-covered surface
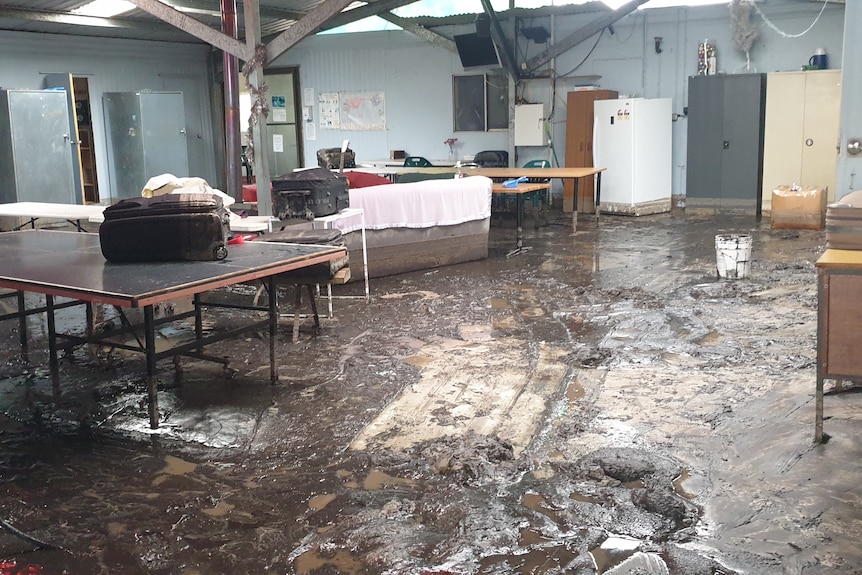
column 602, row 403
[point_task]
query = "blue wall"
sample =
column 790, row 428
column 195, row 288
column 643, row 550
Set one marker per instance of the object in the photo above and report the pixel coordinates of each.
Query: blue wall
column 416, row 77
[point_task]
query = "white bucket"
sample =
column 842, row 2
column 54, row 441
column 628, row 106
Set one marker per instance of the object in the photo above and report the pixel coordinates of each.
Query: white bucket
column 733, row 255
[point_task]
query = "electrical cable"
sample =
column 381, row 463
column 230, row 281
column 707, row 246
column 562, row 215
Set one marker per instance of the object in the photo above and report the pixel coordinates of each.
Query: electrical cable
column 784, row 34
column 634, row 24
column 581, row 63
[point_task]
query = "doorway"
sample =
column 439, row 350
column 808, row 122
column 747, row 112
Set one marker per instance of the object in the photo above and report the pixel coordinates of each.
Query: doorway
column 86, row 148
column 284, row 130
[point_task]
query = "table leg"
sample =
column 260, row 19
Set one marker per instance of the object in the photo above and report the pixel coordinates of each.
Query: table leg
column 598, row 193
column 53, row 361
column 273, row 328
column 519, row 219
column 150, row 351
column 575, row 211
column 22, row 326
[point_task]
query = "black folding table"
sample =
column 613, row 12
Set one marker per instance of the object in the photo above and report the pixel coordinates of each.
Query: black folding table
column 71, row 265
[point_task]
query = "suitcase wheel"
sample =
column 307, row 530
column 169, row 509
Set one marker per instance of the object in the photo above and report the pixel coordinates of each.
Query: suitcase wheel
column 220, row 253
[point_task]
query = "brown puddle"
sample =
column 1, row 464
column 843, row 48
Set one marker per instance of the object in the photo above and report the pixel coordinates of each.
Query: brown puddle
column 575, row 391
column 582, row 498
column 535, row 562
column 378, row 480
column 318, row 502
column 536, row 502
column 677, row 485
column 418, row 360
column 342, row 562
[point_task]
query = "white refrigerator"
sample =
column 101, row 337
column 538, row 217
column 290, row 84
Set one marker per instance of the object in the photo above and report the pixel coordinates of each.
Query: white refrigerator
column 632, row 140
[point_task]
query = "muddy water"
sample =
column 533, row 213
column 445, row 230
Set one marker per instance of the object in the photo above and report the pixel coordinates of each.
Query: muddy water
column 640, row 416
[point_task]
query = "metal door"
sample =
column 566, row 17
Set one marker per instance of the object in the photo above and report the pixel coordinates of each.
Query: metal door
column 64, row 81
column 705, row 137
column 164, row 134
column 744, row 111
column 36, row 156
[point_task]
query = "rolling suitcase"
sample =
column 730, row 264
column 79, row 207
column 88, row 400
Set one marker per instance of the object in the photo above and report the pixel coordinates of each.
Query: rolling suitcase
column 330, row 158
column 172, row 227
column 309, row 194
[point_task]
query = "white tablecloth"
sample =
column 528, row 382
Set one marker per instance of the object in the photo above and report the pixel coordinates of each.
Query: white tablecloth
column 423, row 204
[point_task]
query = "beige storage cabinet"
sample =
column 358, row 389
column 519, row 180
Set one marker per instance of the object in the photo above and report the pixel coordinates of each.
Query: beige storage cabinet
column 801, row 135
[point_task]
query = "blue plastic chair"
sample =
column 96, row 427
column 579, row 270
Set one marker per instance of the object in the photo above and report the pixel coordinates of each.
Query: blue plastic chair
column 417, row 162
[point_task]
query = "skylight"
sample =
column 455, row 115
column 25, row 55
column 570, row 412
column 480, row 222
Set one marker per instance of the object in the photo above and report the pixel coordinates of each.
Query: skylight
column 104, row 8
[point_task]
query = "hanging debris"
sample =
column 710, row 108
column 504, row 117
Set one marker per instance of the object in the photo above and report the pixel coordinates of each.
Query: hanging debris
column 743, row 31
column 259, row 106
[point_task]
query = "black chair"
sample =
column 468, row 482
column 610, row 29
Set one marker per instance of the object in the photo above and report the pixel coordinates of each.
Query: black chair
column 492, row 159
column 417, row 162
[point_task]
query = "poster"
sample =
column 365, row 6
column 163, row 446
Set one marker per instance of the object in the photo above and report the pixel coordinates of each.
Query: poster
column 277, row 143
column 279, row 109
column 362, row 111
column 328, row 111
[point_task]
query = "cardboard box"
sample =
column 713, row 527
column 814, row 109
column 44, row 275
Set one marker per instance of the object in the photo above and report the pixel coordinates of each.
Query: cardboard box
column 397, row 154
column 798, row 208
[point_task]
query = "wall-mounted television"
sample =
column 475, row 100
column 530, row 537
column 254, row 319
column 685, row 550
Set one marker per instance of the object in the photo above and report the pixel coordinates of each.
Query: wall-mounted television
column 476, row 51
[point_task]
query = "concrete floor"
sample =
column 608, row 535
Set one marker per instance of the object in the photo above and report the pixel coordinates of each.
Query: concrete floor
column 602, row 403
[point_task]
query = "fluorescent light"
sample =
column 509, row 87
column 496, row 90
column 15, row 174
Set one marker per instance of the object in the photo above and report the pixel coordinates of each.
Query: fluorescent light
column 104, row 8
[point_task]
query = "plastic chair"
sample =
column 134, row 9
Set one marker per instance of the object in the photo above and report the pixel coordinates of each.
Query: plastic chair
column 538, row 197
column 417, row 162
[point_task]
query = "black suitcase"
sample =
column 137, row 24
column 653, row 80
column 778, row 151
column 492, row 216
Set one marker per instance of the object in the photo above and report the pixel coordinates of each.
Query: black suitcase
column 172, row 227
column 309, row 194
column 330, row 158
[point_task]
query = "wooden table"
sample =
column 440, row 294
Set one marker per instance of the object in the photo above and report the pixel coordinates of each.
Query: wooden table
column 520, row 192
column 839, row 323
column 574, row 174
column 71, row 265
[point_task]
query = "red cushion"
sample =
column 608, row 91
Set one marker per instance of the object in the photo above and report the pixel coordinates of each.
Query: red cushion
column 249, row 192
column 363, row 180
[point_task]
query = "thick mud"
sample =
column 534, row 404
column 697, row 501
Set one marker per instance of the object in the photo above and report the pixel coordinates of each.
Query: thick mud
column 602, row 403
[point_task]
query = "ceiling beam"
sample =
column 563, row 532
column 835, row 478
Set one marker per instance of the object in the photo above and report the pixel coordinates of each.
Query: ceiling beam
column 73, row 19
column 304, row 27
column 499, row 38
column 214, row 6
column 582, row 34
column 371, row 9
column 433, row 38
column 191, row 26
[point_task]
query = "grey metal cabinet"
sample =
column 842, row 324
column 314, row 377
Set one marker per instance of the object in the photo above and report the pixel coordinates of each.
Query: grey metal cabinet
column 724, row 164
column 35, row 147
column 146, row 134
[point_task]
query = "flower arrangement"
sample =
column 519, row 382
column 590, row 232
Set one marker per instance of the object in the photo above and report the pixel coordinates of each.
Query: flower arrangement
column 451, row 143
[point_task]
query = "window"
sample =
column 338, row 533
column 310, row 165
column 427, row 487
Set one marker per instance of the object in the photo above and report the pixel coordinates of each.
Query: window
column 481, row 102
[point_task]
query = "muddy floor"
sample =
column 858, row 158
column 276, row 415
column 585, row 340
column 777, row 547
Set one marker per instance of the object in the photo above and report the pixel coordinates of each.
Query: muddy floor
column 602, row 403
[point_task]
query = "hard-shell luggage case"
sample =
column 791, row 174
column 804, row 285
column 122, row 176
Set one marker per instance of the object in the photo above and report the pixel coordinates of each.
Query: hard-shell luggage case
column 309, row 194
column 330, row 158
column 172, row 227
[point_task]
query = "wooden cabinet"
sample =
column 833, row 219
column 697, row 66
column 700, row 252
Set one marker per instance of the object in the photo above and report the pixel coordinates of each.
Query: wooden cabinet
column 802, row 130
column 579, row 145
column 839, row 323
